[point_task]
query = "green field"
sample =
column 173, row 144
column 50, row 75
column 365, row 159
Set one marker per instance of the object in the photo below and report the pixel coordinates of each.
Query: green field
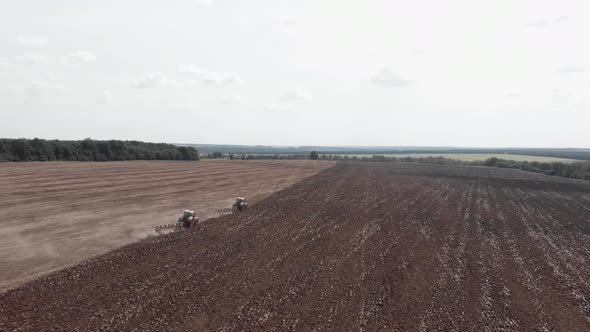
column 473, row 156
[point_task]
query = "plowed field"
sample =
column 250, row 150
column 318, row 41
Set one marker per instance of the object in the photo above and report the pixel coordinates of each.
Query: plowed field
column 56, row 214
column 356, row 247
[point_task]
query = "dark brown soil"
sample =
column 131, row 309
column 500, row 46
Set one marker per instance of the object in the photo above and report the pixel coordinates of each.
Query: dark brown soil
column 373, row 246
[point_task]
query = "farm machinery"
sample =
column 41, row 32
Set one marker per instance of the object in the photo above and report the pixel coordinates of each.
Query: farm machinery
column 187, row 220
column 239, row 205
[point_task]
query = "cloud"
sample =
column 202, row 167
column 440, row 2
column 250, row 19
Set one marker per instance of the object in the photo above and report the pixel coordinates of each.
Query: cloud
column 570, row 69
column 191, row 70
column 287, row 100
column 560, row 96
column 5, row 92
column 289, row 22
column 35, row 58
column 204, row 3
column 222, row 79
column 293, row 96
column 416, row 51
column 154, row 80
column 385, row 77
column 104, row 97
column 546, row 22
column 33, row 41
column 537, row 24
column 4, row 63
column 231, row 99
column 38, row 88
column 79, row 57
column 207, row 77
column 274, row 107
column 512, row 95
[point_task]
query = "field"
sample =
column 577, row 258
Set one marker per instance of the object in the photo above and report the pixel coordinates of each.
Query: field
column 473, row 156
column 360, row 246
column 59, row 213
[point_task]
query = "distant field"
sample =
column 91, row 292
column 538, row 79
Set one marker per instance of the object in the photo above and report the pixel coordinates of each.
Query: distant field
column 473, row 156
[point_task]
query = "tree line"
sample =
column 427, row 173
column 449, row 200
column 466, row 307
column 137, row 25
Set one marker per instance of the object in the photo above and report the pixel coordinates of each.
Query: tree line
column 276, row 156
column 91, row 150
column 573, row 170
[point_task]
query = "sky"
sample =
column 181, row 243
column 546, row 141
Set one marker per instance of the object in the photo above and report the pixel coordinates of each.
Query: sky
column 503, row 73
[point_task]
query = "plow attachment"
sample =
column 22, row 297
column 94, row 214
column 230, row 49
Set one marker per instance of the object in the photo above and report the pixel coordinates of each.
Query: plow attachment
column 169, row 226
column 225, row 210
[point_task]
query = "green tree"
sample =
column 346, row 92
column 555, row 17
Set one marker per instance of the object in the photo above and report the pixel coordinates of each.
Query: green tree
column 91, row 150
column 21, row 149
column 313, row 155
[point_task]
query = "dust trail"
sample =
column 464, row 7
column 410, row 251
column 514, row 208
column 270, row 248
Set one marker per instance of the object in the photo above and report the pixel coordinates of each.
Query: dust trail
column 24, row 247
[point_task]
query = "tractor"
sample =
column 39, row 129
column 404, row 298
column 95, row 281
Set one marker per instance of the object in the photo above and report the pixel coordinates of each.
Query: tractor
column 187, row 220
column 240, row 204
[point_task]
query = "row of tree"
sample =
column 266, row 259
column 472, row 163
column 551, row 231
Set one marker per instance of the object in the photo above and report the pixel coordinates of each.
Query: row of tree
column 94, row 150
column 91, row 150
column 574, row 170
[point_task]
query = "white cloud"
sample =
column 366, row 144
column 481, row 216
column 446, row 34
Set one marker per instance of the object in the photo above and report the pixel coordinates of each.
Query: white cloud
column 274, row 107
column 79, row 57
column 205, row 76
column 38, row 88
column 512, row 95
column 228, row 99
column 4, row 63
column 204, row 3
column 560, row 96
column 291, row 96
column 154, row 80
column 385, row 77
column 537, row 24
column 416, row 51
column 35, row 58
column 33, row 41
column 222, row 79
column 546, row 22
column 104, row 97
column 191, row 70
column 6, row 92
column 569, row 69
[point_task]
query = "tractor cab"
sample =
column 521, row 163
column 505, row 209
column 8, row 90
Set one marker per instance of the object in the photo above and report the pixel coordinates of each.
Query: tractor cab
column 240, row 203
column 188, row 218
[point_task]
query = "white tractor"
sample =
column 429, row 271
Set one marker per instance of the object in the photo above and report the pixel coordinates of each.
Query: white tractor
column 240, row 204
column 188, row 219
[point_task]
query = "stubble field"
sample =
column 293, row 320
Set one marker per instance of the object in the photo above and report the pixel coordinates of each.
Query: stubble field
column 56, row 214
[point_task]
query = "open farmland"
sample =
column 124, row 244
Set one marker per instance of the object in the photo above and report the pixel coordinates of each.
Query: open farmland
column 56, row 214
column 356, row 247
column 472, row 156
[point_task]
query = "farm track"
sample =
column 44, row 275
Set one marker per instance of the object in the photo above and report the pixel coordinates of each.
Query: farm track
column 56, row 214
column 361, row 247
